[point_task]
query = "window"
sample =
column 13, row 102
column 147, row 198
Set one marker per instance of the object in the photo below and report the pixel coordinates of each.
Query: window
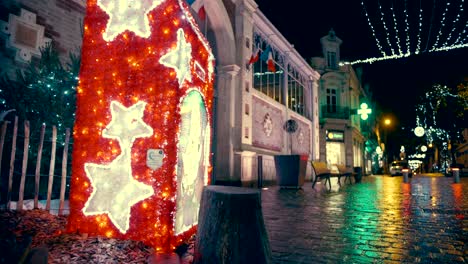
column 26, row 35
column 331, row 59
column 269, row 83
column 295, row 95
column 331, row 100
column 285, row 80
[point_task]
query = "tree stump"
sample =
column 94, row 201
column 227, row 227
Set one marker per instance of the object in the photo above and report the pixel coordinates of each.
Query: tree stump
column 231, row 227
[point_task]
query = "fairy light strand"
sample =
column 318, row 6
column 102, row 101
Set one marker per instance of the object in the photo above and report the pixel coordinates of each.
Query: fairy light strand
column 455, row 21
column 395, row 27
column 408, row 43
column 452, row 47
column 393, row 57
column 460, row 42
column 442, row 25
column 459, row 39
column 418, row 46
column 382, row 18
column 430, row 26
column 372, row 29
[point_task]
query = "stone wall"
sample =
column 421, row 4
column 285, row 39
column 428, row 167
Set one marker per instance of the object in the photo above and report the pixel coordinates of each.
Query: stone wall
column 62, row 21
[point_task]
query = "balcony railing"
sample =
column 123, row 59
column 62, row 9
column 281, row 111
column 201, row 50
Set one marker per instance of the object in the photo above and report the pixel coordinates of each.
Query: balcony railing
column 337, row 112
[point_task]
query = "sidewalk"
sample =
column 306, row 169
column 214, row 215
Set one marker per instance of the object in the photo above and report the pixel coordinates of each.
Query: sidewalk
column 381, row 220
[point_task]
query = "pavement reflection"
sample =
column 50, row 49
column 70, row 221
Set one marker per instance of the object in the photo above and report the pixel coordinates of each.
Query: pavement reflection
column 381, row 219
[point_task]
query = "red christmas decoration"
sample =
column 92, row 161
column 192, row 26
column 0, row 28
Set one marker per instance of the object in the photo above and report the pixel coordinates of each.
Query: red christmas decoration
column 144, row 106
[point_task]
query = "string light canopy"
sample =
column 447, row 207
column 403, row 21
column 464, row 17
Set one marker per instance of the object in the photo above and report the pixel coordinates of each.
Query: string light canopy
column 419, row 18
column 142, row 133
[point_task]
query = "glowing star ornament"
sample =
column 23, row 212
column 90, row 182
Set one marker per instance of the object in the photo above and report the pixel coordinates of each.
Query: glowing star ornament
column 127, row 124
column 114, row 188
column 129, row 15
column 179, row 58
column 142, row 134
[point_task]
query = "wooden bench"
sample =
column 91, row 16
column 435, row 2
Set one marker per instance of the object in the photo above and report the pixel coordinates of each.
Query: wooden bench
column 347, row 172
column 321, row 171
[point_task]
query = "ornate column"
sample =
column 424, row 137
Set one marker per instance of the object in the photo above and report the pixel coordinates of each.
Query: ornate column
column 315, row 120
column 225, row 131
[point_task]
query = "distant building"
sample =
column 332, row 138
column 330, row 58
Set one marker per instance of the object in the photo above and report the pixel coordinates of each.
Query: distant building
column 461, row 153
column 342, row 132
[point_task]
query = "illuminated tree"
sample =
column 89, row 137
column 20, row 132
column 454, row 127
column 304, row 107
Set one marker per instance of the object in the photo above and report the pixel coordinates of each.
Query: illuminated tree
column 45, row 92
column 441, row 112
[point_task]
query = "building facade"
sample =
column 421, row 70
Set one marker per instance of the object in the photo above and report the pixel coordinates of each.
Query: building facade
column 461, row 152
column 342, row 132
column 253, row 102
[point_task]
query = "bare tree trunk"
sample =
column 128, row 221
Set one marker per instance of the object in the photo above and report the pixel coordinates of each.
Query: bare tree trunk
column 231, row 227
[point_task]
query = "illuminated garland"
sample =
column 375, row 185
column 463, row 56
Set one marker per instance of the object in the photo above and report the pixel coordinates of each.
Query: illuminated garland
column 442, row 24
column 408, row 44
column 418, row 46
column 372, row 29
column 452, row 47
column 460, row 42
column 382, row 18
column 455, row 21
column 430, row 25
column 459, row 39
column 395, row 27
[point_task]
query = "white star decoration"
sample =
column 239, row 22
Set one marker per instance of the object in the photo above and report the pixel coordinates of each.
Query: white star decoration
column 179, row 59
column 127, row 15
column 127, row 124
column 115, row 190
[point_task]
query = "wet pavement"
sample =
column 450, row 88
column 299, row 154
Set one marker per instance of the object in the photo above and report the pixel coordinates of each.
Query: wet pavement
column 381, row 220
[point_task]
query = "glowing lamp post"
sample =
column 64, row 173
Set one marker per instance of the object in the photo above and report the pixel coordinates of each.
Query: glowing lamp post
column 387, row 123
column 364, row 111
column 142, row 133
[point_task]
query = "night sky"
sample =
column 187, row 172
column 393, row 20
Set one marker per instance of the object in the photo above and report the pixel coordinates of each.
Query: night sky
column 397, row 85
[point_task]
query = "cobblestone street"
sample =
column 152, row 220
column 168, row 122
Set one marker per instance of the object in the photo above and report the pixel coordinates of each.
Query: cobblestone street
column 381, row 220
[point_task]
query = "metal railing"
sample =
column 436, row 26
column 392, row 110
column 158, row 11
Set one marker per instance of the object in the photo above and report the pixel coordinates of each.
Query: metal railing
column 334, row 111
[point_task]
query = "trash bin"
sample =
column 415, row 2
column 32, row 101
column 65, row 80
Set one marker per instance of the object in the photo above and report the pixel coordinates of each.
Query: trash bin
column 357, row 174
column 291, row 170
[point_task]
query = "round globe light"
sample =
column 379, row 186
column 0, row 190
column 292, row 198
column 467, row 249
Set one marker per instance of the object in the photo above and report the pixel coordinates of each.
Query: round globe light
column 378, row 150
column 419, row 131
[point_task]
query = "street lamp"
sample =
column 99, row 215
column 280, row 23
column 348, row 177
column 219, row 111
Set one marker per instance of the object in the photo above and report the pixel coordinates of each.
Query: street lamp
column 387, row 123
